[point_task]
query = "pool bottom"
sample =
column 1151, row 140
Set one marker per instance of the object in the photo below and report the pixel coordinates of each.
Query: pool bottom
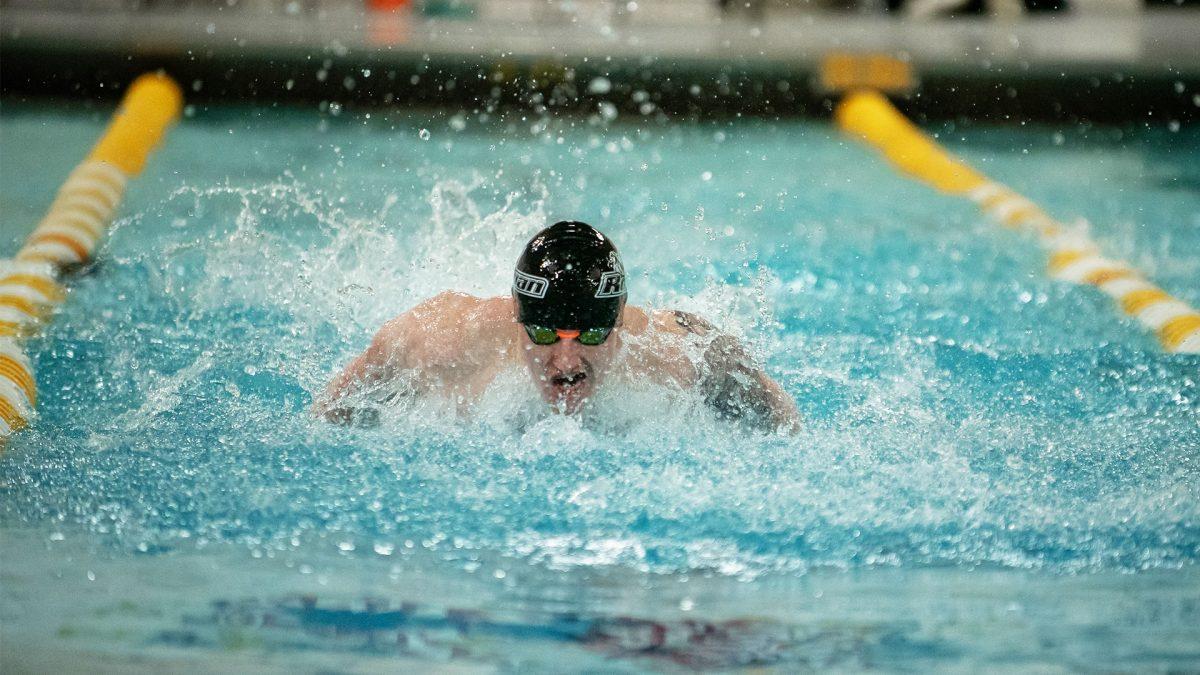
column 72, row 605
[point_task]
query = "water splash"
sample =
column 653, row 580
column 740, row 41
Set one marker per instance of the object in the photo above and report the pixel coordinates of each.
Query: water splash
column 943, row 426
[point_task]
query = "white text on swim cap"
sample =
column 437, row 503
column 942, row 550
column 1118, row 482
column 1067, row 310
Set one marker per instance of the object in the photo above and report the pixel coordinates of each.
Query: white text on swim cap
column 527, row 284
column 612, row 285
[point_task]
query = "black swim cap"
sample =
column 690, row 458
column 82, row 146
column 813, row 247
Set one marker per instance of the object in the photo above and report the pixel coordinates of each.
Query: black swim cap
column 569, row 276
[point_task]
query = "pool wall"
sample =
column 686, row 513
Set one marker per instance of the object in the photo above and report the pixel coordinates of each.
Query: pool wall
column 1078, row 67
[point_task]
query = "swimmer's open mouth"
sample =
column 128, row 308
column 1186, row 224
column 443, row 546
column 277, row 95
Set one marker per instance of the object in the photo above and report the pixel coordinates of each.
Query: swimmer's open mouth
column 568, row 379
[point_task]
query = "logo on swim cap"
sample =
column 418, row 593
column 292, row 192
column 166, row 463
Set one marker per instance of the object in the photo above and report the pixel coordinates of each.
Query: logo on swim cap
column 527, row 284
column 612, row 284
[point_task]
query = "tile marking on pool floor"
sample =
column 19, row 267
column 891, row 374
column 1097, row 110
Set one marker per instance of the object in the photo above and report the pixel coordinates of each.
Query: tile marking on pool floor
column 1074, row 257
column 67, row 236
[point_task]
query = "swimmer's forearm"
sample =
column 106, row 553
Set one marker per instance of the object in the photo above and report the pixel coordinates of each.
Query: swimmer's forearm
column 737, row 389
column 335, row 407
column 367, row 371
column 784, row 414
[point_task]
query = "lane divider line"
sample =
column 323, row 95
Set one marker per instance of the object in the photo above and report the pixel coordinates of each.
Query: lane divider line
column 1073, row 256
column 68, row 234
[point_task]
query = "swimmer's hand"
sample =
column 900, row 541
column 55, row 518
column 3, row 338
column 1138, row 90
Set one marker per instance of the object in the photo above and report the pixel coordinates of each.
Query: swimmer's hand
column 349, row 398
column 364, row 418
column 738, row 390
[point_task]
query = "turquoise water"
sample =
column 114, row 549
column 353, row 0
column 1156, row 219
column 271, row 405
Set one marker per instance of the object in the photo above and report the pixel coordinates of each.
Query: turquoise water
column 997, row 470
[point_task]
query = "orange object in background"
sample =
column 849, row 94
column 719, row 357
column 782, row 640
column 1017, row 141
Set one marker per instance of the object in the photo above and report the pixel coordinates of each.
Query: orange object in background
column 387, row 5
column 388, row 27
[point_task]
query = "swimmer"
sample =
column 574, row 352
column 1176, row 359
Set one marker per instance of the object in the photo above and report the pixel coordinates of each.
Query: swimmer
column 567, row 323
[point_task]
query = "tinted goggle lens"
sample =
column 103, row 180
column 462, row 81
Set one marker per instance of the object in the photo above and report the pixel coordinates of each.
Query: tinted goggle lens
column 542, row 335
column 593, row 336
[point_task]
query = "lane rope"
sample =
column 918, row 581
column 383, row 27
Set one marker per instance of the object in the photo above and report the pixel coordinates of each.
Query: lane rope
column 1073, row 256
column 70, row 231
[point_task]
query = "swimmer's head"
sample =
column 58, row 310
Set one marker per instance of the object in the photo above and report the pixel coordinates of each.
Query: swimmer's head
column 569, row 276
column 569, row 292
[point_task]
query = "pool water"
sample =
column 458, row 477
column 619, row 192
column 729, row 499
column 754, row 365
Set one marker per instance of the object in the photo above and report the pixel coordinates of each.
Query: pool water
column 997, row 471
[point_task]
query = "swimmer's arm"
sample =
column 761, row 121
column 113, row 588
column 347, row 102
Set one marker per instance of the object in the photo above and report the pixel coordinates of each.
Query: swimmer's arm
column 400, row 354
column 376, row 366
column 737, row 389
column 731, row 382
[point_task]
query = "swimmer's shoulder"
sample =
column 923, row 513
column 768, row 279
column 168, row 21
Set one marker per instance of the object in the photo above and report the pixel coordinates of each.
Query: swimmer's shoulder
column 448, row 327
column 447, row 305
column 679, row 323
column 637, row 321
column 662, row 345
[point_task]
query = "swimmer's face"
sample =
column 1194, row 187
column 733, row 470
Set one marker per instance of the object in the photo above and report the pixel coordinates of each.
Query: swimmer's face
column 568, row 372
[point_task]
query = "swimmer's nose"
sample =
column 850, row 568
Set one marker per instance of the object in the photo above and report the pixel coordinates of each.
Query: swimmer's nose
column 566, row 354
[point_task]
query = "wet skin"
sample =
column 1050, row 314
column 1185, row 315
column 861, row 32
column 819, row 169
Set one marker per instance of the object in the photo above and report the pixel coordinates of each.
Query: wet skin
column 454, row 345
column 568, row 372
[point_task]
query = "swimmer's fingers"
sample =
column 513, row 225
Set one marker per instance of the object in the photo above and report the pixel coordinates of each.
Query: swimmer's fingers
column 787, row 416
column 784, row 416
column 365, row 418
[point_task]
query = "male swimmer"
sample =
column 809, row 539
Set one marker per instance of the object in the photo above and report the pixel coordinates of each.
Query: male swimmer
column 568, row 323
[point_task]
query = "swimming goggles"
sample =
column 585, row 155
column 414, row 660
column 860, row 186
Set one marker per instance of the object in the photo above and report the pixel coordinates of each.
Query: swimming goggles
column 541, row 335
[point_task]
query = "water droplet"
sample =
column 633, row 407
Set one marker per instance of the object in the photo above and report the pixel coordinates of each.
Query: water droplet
column 424, row 134
column 599, row 85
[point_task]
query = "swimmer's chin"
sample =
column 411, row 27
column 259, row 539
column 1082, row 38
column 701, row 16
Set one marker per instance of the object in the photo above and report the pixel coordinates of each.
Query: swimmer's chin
column 568, row 400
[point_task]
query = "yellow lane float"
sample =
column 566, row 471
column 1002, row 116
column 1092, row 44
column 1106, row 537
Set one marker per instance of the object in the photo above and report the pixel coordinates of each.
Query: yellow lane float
column 1073, row 255
column 69, row 233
